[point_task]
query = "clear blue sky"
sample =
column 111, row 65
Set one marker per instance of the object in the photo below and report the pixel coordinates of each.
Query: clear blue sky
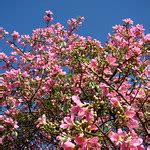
column 26, row 15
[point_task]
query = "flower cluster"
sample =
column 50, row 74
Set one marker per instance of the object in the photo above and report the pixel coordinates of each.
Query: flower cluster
column 62, row 90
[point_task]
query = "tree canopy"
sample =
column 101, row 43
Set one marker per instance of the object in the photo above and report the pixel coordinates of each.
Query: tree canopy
column 59, row 89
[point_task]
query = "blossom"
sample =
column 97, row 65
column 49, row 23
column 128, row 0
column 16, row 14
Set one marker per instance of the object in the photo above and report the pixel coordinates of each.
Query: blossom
column 74, row 22
column 132, row 142
column 128, row 21
column 76, row 100
column 114, row 101
column 68, row 122
column 12, row 122
column 79, row 139
column 68, row 145
column 111, row 60
column 15, row 35
column 80, row 110
column 75, row 109
column 3, row 56
column 104, row 88
column 49, row 16
column 130, row 115
column 136, row 142
column 87, row 113
column 138, row 30
column 2, row 32
column 2, row 140
column 147, row 38
column 141, row 94
column 2, row 128
column 94, row 63
column 133, row 123
column 49, row 12
column 87, row 143
column 92, row 143
column 41, row 121
column 137, row 50
column 108, row 71
column 118, row 137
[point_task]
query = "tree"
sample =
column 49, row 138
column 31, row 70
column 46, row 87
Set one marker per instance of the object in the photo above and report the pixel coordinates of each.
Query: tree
column 63, row 90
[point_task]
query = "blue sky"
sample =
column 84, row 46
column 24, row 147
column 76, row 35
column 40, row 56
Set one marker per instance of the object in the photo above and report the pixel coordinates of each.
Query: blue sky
column 100, row 15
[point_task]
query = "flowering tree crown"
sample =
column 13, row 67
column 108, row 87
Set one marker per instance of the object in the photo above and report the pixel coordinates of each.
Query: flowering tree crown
column 63, row 90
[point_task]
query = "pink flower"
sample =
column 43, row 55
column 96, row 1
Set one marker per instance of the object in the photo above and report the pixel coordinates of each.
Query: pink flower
column 92, row 143
column 108, row 71
column 68, row 122
column 128, row 146
column 74, row 22
column 133, row 142
column 56, row 69
column 128, row 21
column 114, row 101
column 48, row 17
column 132, row 122
column 2, row 128
column 104, row 88
column 87, row 113
column 141, row 94
column 138, row 30
column 111, row 60
column 2, row 32
column 85, row 143
column 79, row 140
column 2, row 117
column 137, row 50
column 81, row 111
column 93, row 127
column 118, row 27
column 118, row 137
column 130, row 114
column 136, row 142
column 29, row 56
column 76, row 100
column 12, row 122
column 75, row 110
column 147, row 38
column 41, row 121
column 15, row 35
column 94, row 63
column 48, row 12
column 68, row 145
column 1, row 139
column 3, row 56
